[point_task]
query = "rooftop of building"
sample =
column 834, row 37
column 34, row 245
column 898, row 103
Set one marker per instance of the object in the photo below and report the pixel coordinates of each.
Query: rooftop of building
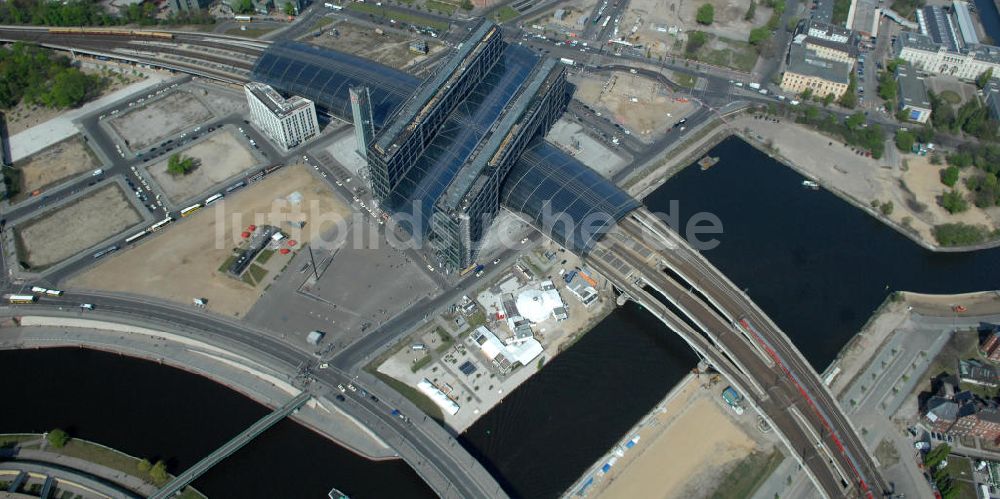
column 278, row 105
column 992, row 93
column 820, row 29
column 470, row 123
column 805, row 62
column 912, row 90
column 325, row 76
column 965, row 25
column 935, row 22
column 418, row 103
column 465, row 181
column 918, row 41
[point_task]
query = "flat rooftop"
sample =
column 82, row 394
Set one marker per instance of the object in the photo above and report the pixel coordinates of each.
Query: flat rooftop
column 275, row 103
column 805, row 62
column 912, row 90
column 420, row 103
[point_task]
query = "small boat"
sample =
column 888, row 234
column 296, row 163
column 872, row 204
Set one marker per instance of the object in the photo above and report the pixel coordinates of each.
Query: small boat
column 809, row 184
column 336, row 494
column 707, row 162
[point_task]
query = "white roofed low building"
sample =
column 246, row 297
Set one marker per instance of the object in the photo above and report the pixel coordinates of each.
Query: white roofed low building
column 538, row 304
column 504, row 356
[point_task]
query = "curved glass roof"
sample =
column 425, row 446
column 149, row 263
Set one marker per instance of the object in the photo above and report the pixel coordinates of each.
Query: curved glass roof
column 325, row 77
column 568, row 201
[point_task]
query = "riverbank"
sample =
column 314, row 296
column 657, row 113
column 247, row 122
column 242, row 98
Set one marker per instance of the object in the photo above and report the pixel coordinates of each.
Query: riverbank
column 696, row 438
column 863, row 182
column 83, row 464
column 257, row 382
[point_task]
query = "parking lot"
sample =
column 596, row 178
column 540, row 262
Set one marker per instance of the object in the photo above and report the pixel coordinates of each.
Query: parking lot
column 218, row 157
column 148, row 123
column 67, row 230
column 54, row 164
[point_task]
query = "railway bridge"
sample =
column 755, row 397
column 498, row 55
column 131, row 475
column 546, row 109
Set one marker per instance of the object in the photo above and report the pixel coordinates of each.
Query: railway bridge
column 655, row 267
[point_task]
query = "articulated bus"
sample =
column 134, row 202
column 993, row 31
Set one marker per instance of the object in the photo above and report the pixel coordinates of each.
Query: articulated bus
column 22, row 298
column 213, row 199
column 136, row 237
column 190, row 209
column 159, row 225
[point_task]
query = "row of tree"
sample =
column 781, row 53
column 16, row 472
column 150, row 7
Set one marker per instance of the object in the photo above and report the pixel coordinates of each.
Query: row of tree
column 36, row 76
column 851, row 130
column 89, row 13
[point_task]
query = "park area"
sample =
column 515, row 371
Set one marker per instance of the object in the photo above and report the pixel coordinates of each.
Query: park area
column 65, row 231
column 217, row 157
column 146, row 125
column 187, row 259
column 389, row 48
column 644, row 107
column 54, row 164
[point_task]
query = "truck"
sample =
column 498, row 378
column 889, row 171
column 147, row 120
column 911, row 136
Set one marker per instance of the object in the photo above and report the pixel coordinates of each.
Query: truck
column 755, row 86
column 733, row 398
column 566, row 61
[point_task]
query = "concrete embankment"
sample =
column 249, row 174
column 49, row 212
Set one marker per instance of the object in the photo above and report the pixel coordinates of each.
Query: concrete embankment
column 258, row 382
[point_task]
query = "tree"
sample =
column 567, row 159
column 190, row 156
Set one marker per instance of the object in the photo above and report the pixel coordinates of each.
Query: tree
column 886, row 208
column 243, row 7
column 69, row 88
column 958, row 234
column 759, row 35
column 850, row 97
column 159, row 472
column 179, row 165
column 949, row 176
column 696, row 40
column 705, row 15
column 751, row 11
column 904, row 140
column 984, row 78
column 807, row 93
column 466, row 5
column 289, row 9
column 887, row 87
column 57, row 438
column 953, row 201
column 854, row 121
column 828, row 99
column 144, row 466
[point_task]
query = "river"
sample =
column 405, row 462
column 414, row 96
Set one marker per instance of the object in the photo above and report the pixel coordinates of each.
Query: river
column 816, row 264
column 990, row 19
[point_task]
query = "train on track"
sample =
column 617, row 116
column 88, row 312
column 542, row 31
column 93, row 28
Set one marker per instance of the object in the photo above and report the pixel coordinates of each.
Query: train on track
column 111, row 32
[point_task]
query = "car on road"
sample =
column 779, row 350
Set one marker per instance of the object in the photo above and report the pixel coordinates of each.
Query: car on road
column 87, row 306
column 341, row 388
column 351, row 387
column 340, row 398
column 496, row 262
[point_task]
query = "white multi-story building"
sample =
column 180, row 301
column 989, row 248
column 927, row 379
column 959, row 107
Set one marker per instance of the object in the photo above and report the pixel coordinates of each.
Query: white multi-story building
column 289, row 122
column 966, row 63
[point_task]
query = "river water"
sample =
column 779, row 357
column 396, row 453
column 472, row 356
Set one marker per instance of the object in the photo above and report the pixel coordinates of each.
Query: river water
column 816, row 264
column 990, row 18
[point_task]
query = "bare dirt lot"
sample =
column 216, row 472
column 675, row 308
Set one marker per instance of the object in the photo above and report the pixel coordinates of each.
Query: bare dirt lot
column 54, row 163
column 391, row 48
column 642, row 105
column 182, row 261
column 66, row 231
column 146, row 125
column 218, row 157
column 920, row 189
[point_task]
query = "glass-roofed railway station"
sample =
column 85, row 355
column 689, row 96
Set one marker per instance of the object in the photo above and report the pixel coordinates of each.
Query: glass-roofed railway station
column 448, row 151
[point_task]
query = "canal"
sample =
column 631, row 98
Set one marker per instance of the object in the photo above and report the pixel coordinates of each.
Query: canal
column 990, row 18
column 816, row 264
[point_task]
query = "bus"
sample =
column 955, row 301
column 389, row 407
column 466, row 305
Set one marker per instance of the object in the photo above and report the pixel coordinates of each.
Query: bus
column 105, row 251
column 213, row 199
column 190, row 209
column 466, row 270
column 605, row 23
column 54, row 292
column 22, row 298
column 38, row 289
column 136, row 237
column 159, row 225
column 272, row 168
column 244, row 19
column 235, row 186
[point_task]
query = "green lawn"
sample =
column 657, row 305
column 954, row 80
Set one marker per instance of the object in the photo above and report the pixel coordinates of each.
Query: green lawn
column 435, row 5
column 950, row 97
column 227, row 262
column 419, row 399
column 683, row 79
column 747, row 476
column 960, row 470
column 257, row 272
column 505, row 13
column 10, row 440
column 398, row 14
column 264, row 256
column 737, row 54
column 421, row 363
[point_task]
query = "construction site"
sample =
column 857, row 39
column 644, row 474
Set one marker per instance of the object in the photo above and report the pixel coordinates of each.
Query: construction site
column 644, row 107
